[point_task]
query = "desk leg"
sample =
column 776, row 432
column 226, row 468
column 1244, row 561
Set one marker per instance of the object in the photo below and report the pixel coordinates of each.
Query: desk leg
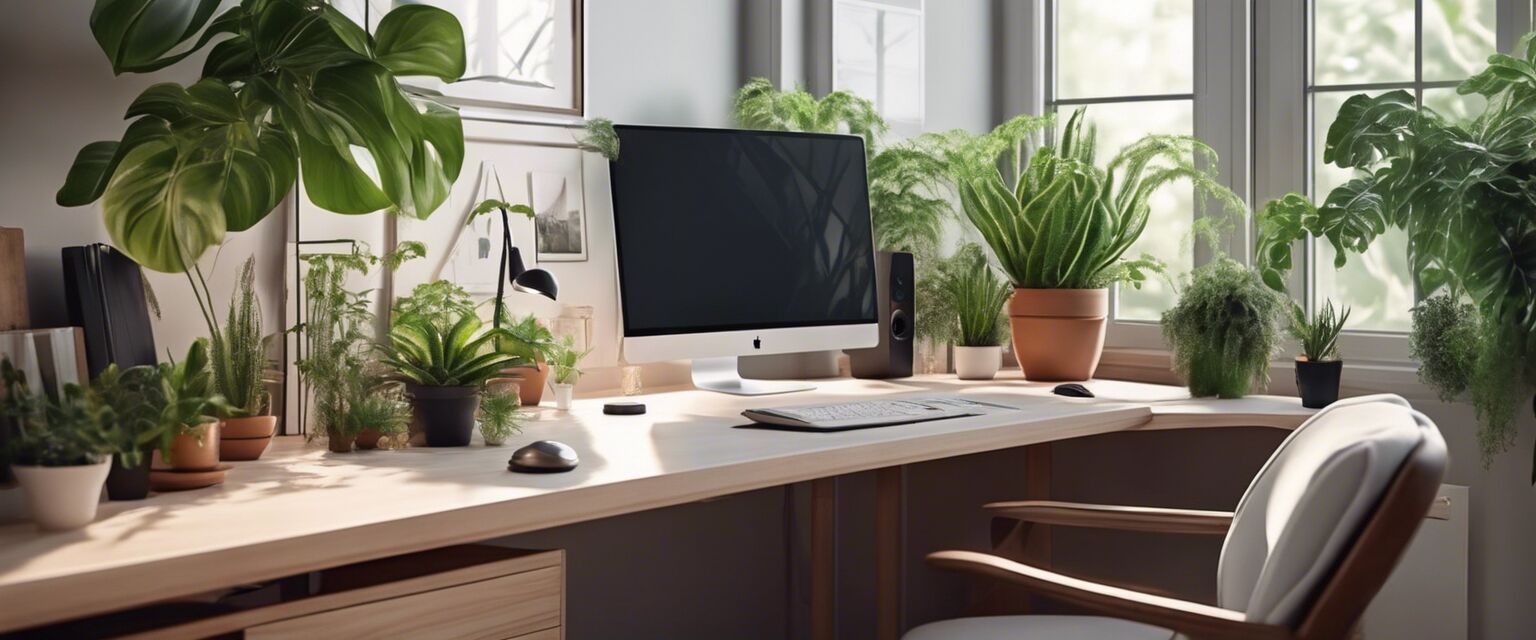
column 1037, row 486
column 888, row 552
column 824, row 559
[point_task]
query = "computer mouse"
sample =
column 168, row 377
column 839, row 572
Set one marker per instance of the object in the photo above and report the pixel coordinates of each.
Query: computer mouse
column 1072, row 390
column 544, row 456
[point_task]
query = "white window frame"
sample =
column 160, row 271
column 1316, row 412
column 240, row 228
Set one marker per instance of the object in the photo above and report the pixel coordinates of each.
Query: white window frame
column 1282, row 107
column 1222, row 96
column 907, row 127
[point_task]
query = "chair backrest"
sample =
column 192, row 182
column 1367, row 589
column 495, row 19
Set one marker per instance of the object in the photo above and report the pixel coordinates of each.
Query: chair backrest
column 1328, row 517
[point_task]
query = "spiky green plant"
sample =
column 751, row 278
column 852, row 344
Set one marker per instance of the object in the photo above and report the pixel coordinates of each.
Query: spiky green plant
column 1056, row 219
column 435, row 354
column 967, row 297
column 238, row 353
column 383, row 410
column 500, row 416
column 1224, row 329
column 1319, row 334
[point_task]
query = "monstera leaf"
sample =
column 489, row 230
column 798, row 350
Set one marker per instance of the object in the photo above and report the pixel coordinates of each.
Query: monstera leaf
column 291, row 85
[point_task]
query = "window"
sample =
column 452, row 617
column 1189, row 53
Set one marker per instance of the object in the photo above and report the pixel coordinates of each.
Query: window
column 878, row 54
column 1371, row 46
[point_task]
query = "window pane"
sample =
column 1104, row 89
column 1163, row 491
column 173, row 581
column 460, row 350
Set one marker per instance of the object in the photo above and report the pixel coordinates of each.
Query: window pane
column 1458, row 37
column 1124, row 48
column 1173, row 213
column 1360, row 41
column 1448, row 103
column 1375, row 284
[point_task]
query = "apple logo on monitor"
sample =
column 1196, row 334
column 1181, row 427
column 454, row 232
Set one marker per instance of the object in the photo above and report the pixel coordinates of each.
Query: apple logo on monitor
column 757, row 343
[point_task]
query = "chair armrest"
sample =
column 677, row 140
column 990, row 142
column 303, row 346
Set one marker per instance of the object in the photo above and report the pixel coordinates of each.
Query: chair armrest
column 1192, row 618
column 1103, row 516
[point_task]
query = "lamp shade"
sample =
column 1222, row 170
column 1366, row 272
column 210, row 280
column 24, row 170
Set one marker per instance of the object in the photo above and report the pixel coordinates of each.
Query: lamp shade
column 537, row 281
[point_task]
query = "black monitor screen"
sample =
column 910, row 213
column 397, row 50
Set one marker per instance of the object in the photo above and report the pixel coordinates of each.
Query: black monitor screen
column 722, row 230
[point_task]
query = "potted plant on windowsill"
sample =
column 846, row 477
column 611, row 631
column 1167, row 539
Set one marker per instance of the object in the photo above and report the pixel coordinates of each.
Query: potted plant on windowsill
column 1224, row 329
column 500, row 416
column 564, row 367
column 968, row 292
column 238, row 358
column 1059, row 226
column 443, row 368
column 60, row 453
column 189, row 403
column 1319, row 367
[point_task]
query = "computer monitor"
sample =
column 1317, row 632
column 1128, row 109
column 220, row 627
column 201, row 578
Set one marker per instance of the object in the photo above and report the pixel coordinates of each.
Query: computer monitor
column 736, row 243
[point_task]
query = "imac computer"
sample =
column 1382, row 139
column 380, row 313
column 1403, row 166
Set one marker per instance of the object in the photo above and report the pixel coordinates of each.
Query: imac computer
column 734, row 243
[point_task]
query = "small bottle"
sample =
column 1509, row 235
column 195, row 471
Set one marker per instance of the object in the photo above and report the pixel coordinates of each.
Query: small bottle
column 629, row 380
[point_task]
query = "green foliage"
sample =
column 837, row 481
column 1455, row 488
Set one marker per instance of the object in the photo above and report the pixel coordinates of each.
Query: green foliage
column 1462, row 190
column 1445, row 340
column 525, row 339
column 1059, row 221
column 967, row 297
column 437, row 302
column 600, row 137
column 132, row 399
column 435, row 354
column 565, row 361
column 290, row 85
column 189, row 400
column 1224, row 329
column 238, row 353
column 337, row 334
column 1319, row 334
column 760, row 105
column 63, row 432
column 500, row 416
column 383, row 409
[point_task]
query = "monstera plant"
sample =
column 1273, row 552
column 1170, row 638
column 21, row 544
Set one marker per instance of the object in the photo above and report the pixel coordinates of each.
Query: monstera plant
column 288, row 87
column 1465, row 194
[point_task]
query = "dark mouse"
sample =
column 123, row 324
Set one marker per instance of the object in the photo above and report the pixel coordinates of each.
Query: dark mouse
column 1072, row 390
column 544, row 456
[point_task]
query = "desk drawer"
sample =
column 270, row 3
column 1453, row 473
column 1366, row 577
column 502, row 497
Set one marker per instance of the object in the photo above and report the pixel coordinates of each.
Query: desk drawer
column 495, row 609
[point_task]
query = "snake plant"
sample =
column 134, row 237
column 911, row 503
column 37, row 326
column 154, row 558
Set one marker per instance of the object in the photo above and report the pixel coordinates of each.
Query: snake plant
column 435, row 354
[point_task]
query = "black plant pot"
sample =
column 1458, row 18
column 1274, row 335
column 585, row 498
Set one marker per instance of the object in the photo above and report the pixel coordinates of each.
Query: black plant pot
column 1318, row 382
column 128, row 483
column 446, row 414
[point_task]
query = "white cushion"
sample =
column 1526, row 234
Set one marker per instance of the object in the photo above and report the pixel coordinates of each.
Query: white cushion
column 1308, row 503
column 1042, row 627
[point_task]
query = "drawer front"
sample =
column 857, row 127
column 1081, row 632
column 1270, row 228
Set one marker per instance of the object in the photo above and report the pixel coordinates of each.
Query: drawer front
column 495, row 609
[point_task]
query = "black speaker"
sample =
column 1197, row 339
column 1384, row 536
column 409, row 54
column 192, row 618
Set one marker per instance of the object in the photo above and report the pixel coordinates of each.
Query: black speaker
column 892, row 358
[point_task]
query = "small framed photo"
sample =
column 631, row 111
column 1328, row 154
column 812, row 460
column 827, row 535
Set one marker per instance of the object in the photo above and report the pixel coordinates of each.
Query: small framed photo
column 560, row 226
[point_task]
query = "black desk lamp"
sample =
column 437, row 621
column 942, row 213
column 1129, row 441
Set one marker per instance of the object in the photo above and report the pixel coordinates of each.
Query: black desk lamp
column 519, row 276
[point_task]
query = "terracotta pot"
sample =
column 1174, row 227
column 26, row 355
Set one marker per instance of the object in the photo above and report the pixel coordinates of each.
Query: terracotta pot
column 505, row 385
column 191, row 453
column 1318, row 382
column 978, row 363
column 530, row 387
column 62, row 498
column 1058, row 334
column 129, row 483
column 368, row 439
column 246, row 438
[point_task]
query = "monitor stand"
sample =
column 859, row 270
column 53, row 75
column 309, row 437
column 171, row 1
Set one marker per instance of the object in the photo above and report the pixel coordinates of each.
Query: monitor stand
column 720, row 374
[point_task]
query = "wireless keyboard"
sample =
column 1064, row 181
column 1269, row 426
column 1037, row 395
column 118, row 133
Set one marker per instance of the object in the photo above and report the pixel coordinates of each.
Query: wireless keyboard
column 841, row 416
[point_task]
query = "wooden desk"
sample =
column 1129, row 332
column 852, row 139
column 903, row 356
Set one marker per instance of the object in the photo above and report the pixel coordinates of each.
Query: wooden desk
column 301, row 509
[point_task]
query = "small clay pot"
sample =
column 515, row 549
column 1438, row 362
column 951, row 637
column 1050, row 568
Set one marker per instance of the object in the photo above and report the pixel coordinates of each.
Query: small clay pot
column 1058, row 334
column 189, row 452
column 530, row 387
column 368, row 439
column 338, row 443
column 246, row 438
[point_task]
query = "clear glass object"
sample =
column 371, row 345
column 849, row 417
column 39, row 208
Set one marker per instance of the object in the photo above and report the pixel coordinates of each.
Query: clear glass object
column 629, row 380
column 1108, row 48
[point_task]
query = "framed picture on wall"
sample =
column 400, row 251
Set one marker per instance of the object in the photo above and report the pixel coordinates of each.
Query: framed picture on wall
column 559, row 215
column 520, row 54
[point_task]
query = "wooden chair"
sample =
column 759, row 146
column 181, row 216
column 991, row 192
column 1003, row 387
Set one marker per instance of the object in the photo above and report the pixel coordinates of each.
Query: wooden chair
column 1311, row 542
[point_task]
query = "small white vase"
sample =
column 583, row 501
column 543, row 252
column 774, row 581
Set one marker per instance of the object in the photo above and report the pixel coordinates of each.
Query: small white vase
column 563, row 393
column 978, row 363
column 63, row 498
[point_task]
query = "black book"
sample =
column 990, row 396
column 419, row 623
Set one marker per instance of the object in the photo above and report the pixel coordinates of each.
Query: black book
column 105, row 293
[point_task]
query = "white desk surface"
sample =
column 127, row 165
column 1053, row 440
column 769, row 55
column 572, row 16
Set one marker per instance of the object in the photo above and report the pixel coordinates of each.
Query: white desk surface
column 301, row 508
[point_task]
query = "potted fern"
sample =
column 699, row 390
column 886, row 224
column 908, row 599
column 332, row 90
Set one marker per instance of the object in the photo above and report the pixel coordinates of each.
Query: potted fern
column 60, row 452
column 500, row 416
column 238, row 356
column 444, row 368
column 1318, row 368
column 1224, row 329
column 565, row 371
column 383, row 415
column 967, row 291
column 530, row 344
column 1059, row 225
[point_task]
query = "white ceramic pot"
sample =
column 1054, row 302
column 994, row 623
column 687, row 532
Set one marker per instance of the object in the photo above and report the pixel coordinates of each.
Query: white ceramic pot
column 563, row 393
column 63, row 498
column 978, row 363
